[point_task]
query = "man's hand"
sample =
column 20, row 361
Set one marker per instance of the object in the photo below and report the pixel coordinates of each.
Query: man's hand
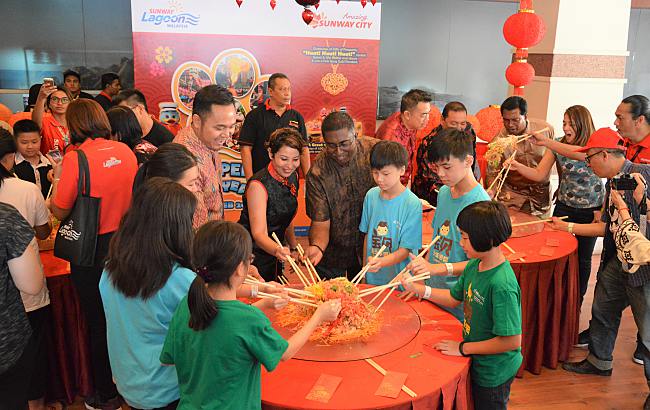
column 314, row 254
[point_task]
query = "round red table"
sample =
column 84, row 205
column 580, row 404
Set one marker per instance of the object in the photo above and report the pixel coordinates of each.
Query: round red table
column 440, row 381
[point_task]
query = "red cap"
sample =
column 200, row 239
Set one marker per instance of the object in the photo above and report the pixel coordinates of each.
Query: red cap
column 604, row 138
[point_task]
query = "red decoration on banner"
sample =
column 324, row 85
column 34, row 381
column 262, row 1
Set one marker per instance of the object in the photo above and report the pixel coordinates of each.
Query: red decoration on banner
column 307, row 16
column 239, row 2
column 520, row 73
column 306, row 3
column 524, row 29
column 337, row 1
column 491, row 122
column 363, row 3
column 316, row 5
column 273, row 4
column 373, row 2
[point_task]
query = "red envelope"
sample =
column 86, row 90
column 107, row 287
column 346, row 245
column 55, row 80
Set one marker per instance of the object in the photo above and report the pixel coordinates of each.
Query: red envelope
column 546, row 251
column 552, row 242
column 391, row 385
column 324, row 388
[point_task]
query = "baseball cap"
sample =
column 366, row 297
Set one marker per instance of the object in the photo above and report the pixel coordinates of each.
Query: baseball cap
column 604, row 138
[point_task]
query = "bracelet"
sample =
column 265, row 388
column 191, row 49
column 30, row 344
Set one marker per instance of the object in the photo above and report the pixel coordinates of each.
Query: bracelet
column 570, row 227
column 460, row 349
column 624, row 209
column 254, row 290
column 450, row 269
column 319, row 248
column 427, row 292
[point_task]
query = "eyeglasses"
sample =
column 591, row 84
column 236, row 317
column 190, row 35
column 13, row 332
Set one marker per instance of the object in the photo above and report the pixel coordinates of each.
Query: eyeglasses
column 589, row 157
column 62, row 100
column 344, row 145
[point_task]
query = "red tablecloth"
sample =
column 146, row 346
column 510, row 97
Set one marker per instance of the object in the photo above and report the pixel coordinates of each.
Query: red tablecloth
column 68, row 352
column 550, row 295
column 440, row 381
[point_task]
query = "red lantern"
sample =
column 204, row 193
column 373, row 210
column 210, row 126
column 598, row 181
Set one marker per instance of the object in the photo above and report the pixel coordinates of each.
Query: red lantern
column 316, row 5
column 491, row 122
column 520, row 74
column 524, row 29
column 476, row 124
column 307, row 16
column 273, row 4
column 239, row 2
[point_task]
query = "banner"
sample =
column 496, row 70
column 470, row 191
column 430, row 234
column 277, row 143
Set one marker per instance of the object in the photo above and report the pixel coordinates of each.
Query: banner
column 181, row 46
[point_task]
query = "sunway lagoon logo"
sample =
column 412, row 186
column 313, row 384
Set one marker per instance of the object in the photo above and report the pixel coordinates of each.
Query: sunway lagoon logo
column 348, row 20
column 171, row 17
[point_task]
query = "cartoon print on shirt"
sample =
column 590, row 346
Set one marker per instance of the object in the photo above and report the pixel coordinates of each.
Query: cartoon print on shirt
column 380, row 237
column 442, row 248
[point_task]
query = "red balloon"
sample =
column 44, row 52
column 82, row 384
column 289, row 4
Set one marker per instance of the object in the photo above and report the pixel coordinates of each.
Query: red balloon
column 491, row 122
column 307, row 16
column 524, row 30
column 363, row 3
column 316, row 5
column 373, row 2
column 273, row 4
column 239, row 2
column 520, row 74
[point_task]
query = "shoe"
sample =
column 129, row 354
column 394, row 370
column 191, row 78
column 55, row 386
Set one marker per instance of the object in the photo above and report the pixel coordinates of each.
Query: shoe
column 94, row 403
column 636, row 357
column 584, row 367
column 583, row 340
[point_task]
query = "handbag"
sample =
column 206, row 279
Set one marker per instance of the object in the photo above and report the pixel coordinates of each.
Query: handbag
column 76, row 239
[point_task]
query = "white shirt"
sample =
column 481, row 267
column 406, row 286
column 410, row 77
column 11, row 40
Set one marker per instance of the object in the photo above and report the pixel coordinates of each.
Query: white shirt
column 43, row 162
column 28, row 200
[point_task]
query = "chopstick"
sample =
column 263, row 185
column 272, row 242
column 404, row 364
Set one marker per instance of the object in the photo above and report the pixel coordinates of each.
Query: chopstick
column 536, row 222
column 359, row 276
column 295, row 267
column 383, row 372
column 379, row 288
column 298, row 301
column 512, row 250
column 309, row 265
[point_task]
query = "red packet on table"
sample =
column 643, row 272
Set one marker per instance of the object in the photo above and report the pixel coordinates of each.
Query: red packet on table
column 324, row 388
column 552, row 242
column 391, row 385
column 546, row 251
column 515, row 256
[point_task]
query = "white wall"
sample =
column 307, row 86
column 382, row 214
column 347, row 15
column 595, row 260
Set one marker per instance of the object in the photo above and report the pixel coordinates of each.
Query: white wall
column 637, row 68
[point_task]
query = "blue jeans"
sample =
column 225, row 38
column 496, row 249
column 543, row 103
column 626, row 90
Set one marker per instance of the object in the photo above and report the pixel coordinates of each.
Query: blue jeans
column 611, row 297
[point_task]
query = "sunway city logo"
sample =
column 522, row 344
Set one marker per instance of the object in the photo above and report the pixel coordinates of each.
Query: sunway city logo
column 348, row 20
column 172, row 17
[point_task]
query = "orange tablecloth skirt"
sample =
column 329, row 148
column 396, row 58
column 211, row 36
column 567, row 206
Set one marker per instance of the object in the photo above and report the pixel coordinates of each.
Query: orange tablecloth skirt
column 441, row 382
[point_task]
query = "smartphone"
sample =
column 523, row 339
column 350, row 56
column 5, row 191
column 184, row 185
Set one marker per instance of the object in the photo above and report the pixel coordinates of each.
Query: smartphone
column 48, row 81
column 56, row 155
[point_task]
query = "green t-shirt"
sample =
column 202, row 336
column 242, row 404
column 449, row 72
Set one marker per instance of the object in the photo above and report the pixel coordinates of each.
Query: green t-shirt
column 219, row 367
column 492, row 308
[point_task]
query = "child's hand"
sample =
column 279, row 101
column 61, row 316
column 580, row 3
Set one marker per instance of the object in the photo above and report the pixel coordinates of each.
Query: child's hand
column 448, row 348
column 275, row 303
column 252, row 271
column 558, row 224
column 374, row 265
column 272, row 287
column 328, row 311
column 540, row 139
column 408, row 286
column 418, row 265
column 281, row 252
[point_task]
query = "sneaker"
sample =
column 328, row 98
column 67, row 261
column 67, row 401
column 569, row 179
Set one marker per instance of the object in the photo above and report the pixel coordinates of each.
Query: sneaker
column 583, row 339
column 584, row 367
column 94, row 403
column 636, row 357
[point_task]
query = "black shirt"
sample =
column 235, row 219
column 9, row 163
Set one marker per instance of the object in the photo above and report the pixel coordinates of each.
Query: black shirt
column 25, row 171
column 85, row 95
column 158, row 134
column 104, row 101
column 258, row 126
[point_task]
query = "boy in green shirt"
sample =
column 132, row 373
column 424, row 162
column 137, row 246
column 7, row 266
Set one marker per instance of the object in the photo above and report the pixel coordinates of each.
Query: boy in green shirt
column 489, row 288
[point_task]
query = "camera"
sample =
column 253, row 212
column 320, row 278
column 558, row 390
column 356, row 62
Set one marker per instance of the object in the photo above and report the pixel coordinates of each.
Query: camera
column 624, row 183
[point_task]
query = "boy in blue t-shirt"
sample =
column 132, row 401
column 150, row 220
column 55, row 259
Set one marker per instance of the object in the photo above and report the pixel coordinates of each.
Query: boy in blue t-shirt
column 492, row 303
column 451, row 152
column 392, row 215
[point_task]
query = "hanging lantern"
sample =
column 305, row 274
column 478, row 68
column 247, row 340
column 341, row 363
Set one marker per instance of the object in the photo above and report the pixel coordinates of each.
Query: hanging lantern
column 239, row 2
column 520, row 74
column 491, row 122
column 524, row 29
column 476, row 124
column 363, row 3
column 307, row 14
column 273, row 4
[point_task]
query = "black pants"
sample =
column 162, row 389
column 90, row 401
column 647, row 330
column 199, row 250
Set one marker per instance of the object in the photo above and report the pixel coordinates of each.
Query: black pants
column 40, row 320
column 585, row 243
column 326, row 272
column 491, row 398
column 14, row 382
column 86, row 282
column 170, row 406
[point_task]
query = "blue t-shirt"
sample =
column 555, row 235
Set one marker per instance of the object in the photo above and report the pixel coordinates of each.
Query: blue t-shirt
column 136, row 330
column 396, row 223
column 448, row 249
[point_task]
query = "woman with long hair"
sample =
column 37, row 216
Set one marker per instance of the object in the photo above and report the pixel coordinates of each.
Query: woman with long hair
column 581, row 193
column 173, row 161
column 49, row 113
column 112, row 167
column 147, row 274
